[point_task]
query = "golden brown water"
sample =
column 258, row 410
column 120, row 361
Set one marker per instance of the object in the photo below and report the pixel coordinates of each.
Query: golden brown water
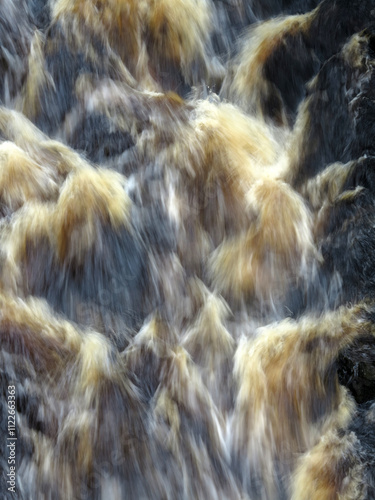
column 186, row 249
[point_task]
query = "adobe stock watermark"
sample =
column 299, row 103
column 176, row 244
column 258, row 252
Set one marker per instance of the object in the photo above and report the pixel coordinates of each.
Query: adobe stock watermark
column 11, row 440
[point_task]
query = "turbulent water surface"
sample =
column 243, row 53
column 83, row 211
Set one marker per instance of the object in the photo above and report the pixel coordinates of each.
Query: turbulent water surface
column 187, row 249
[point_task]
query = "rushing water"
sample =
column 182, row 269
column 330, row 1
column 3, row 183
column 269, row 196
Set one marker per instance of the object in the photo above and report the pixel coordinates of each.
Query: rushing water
column 187, row 249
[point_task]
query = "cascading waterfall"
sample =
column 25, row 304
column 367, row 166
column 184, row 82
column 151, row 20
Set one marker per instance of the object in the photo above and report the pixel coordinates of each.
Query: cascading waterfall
column 187, row 249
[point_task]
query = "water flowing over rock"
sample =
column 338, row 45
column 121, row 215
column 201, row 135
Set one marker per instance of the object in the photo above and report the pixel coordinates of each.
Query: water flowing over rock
column 187, row 249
